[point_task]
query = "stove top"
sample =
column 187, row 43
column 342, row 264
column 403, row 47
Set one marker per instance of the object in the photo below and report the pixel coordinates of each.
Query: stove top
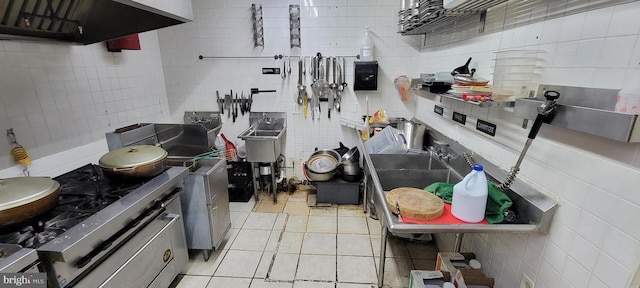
column 83, row 192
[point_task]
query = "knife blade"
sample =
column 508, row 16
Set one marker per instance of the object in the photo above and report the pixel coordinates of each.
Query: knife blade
column 219, row 102
column 235, row 108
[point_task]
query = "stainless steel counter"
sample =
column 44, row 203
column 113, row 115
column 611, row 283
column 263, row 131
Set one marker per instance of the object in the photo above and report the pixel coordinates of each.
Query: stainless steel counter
column 16, row 259
column 534, row 209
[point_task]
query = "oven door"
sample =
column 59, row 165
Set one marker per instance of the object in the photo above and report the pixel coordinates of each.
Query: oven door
column 144, row 260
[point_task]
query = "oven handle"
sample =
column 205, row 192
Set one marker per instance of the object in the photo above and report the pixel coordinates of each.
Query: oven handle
column 130, row 230
column 172, row 220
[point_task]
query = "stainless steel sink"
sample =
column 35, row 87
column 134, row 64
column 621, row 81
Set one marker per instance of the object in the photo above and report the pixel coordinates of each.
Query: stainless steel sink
column 265, row 136
column 252, row 133
column 417, row 178
column 405, row 161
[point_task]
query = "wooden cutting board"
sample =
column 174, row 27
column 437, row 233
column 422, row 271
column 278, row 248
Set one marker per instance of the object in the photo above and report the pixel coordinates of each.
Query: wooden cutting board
column 415, row 203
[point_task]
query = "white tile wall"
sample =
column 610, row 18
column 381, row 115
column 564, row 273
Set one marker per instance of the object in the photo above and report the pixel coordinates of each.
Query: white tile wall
column 592, row 242
column 224, row 28
column 58, row 97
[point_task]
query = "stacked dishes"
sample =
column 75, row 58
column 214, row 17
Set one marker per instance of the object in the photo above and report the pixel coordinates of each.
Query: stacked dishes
column 514, row 73
column 351, row 170
column 322, row 165
column 472, row 93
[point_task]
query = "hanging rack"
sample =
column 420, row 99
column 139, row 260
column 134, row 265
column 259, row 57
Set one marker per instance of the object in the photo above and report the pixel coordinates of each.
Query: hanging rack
column 275, row 57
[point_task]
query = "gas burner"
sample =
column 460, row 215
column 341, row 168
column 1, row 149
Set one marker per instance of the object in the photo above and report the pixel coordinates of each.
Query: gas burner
column 83, row 192
column 28, row 237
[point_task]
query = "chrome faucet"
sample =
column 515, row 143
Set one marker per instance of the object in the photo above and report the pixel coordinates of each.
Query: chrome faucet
column 267, row 120
column 440, row 151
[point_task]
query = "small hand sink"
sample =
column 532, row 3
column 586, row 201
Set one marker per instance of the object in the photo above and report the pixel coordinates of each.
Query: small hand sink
column 416, row 178
column 265, row 137
column 405, row 161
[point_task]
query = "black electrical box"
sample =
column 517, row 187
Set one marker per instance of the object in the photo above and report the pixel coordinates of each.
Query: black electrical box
column 365, row 75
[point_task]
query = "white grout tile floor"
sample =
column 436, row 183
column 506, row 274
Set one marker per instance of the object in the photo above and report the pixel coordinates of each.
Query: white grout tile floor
column 304, row 247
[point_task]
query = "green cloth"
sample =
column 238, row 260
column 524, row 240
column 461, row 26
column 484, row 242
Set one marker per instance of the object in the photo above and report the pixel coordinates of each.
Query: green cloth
column 497, row 202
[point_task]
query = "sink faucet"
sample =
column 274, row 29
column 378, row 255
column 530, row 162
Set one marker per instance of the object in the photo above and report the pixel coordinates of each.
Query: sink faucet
column 440, row 150
column 265, row 119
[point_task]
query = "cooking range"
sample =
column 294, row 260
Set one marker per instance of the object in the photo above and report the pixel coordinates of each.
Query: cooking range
column 101, row 228
column 84, row 192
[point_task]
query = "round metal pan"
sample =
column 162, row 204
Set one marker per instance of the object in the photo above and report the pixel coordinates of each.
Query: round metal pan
column 140, row 161
column 23, row 198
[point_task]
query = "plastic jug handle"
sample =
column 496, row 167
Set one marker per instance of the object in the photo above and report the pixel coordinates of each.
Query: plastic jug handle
column 466, row 184
column 404, row 140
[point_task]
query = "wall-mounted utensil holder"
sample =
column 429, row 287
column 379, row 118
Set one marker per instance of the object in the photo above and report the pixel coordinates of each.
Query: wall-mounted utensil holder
column 294, row 25
column 258, row 29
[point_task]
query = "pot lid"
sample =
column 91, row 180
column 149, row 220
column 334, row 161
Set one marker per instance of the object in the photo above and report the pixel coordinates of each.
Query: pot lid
column 322, row 164
column 15, row 192
column 132, row 156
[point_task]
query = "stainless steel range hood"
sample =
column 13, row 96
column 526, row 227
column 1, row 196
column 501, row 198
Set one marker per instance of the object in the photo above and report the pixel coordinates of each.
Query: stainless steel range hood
column 88, row 21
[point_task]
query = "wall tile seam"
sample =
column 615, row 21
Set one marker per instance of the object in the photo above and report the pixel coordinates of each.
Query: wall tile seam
column 602, row 254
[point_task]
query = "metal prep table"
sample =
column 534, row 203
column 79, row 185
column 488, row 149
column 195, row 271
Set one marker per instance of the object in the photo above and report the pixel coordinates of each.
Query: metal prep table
column 535, row 209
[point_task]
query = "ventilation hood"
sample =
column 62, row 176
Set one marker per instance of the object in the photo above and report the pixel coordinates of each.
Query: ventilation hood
column 88, row 21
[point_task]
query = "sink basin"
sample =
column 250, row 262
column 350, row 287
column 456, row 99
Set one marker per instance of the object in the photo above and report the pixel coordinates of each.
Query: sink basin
column 263, row 145
column 416, row 178
column 255, row 133
column 210, row 125
column 265, row 136
column 405, row 161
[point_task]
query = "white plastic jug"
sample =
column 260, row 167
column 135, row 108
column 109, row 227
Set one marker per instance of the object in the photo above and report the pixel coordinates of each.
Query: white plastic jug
column 470, row 196
column 366, row 47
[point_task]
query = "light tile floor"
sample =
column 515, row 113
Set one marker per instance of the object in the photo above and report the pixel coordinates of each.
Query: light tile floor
column 304, row 247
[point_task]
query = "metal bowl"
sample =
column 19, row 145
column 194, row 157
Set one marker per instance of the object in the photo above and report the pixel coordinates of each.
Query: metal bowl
column 351, row 169
column 352, row 156
column 319, row 177
column 327, row 152
column 322, row 163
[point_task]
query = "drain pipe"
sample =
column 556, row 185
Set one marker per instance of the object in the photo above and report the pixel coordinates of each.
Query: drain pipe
column 457, row 247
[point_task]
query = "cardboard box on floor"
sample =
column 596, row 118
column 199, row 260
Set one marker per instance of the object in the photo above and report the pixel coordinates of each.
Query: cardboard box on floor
column 428, row 279
column 464, row 278
column 452, row 261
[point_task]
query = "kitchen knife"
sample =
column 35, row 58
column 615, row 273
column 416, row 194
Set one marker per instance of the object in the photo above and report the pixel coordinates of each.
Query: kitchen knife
column 242, row 102
column 219, row 101
column 227, row 104
column 235, row 110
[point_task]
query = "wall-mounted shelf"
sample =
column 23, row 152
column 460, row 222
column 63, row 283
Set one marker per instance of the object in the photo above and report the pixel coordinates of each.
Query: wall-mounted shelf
column 588, row 110
column 474, row 17
column 435, row 96
column 427, row 16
